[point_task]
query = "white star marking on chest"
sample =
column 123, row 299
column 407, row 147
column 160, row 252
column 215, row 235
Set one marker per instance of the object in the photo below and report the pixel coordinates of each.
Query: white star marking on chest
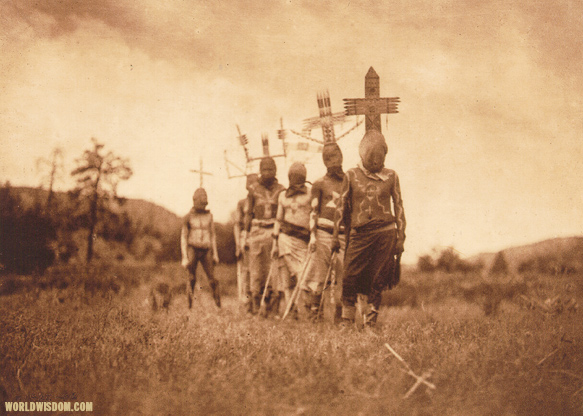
column 333, row 203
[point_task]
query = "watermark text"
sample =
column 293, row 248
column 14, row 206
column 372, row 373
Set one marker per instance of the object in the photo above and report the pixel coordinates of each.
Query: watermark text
column 48, row 406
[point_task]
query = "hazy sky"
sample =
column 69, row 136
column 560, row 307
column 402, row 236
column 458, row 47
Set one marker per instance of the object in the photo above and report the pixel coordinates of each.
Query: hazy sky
column 488, row 141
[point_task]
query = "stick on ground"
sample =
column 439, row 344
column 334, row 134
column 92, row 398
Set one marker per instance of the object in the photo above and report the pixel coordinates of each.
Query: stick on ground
column 296, row 290
column 328, row 278
column 419, row 379
column 549, row 355
column 398, row 356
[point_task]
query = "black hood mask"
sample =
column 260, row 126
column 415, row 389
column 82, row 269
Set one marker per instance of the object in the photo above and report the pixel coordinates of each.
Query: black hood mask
column 332, row 157
column 200, row 200
column 267, row 170
column 297, row 180
column 373, row 150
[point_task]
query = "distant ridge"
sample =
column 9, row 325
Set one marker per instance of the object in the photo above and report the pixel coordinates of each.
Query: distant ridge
column 142, row 212
column 555, row 253
column 156, row 229
column 563, row 253
column 150, row 213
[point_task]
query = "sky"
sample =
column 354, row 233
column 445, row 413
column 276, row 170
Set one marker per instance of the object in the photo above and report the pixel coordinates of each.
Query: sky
column 487, row 142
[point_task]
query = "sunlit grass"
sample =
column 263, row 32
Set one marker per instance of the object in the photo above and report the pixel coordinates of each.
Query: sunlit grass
column 110, row 348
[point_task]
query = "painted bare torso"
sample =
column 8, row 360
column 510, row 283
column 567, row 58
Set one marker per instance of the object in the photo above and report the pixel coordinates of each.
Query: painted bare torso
column 296, row 209
column 263, row 204
column 199, row 229
column 375, row 199
column 326, row 195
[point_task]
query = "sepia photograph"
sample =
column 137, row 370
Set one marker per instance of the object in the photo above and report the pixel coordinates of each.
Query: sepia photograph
column 254, row 207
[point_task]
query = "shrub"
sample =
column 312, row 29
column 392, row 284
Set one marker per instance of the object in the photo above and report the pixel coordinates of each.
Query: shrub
column 170, row 250
column 27, row 236
column 225, row 243
column 500, row 266
column 425, row 264
column 448, row 261
column 546, row 264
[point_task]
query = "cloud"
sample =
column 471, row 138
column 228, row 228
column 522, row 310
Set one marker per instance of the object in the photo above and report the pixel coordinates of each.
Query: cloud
column 489, row 115
column 255, row 41
column 557, row 29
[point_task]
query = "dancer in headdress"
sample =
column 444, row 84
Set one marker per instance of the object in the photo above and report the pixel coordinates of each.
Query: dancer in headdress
column 370, row 207
column 259, row 222
column 324, row 200
column 198, row 244
column 291, row 232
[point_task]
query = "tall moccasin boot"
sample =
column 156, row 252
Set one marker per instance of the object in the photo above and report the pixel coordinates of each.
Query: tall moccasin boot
column 189, row 291
column 256, row 303
column 338, row 313
column 275, row 303
column 267, row 306
column 248, row 305
column 216, row 295
column 370, row 318
column 307, row 304
column 315, row 306
column 348, row 315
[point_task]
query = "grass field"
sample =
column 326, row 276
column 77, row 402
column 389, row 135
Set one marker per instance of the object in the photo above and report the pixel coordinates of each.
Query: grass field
column 505, row 346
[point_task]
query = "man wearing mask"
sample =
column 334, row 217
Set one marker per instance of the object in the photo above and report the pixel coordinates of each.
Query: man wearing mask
column 197, row 240
column 259, row 221
column 371, row 208
column 324, row 200
column 291, row 233
column 244, row 290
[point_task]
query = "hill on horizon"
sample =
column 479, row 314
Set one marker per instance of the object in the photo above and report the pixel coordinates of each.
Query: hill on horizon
column 156, row 229
column 159, row 230
column 140, row 211
column 555, row 255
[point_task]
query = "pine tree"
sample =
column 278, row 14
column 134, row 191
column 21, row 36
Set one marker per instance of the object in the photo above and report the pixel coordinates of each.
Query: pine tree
column 500, row 266
column 97, row 176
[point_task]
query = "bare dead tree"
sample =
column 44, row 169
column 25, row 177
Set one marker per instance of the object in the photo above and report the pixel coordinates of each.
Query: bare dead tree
column 55, row 167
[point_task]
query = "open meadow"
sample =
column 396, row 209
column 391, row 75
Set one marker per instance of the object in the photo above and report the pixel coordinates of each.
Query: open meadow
column 507, row 345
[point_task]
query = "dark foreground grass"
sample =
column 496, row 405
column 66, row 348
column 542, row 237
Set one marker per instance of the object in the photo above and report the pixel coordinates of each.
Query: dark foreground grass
column 112, row 350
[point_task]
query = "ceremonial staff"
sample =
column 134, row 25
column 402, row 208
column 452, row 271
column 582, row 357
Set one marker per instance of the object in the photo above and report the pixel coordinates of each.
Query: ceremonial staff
column 372, row 105
column 201, row 172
